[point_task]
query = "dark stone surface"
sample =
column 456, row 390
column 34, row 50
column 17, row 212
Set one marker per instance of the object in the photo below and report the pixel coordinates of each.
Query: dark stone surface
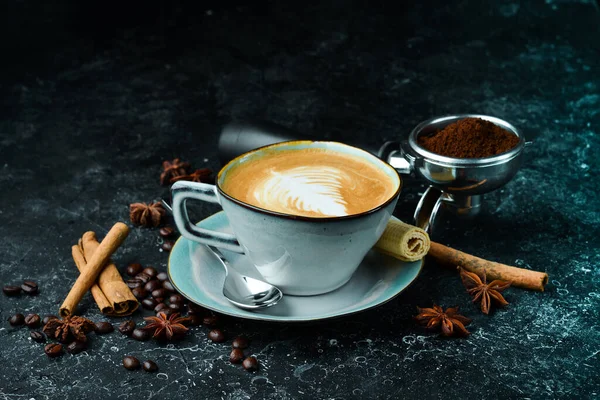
column 94, row 97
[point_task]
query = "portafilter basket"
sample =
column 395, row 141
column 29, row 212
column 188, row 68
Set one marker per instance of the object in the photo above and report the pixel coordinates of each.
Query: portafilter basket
column 456, row 184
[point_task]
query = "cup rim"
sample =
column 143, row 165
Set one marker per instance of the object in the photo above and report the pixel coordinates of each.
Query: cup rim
column 303, row 217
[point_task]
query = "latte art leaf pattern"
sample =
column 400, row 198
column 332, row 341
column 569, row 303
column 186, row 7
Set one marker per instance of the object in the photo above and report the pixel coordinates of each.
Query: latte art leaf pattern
column 315, row 189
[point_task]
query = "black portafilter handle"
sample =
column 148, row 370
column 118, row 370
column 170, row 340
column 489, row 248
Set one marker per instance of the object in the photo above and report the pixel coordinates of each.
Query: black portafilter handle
column 239, row 137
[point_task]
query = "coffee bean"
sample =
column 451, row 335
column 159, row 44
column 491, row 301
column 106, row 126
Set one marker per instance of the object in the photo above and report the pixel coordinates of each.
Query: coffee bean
column 175, row 307
column 236, row 356
column 168, row 286
column 194, row 320
column 76, row 347
column 162, row 293
column 103, row 327
column 37, row 336
column 153, row 285
column 144, row 277
column 162, row 276
column 250, row 364
column 216, row 335
column 160, row 307
column 48, row 318
column 167, row 245
column 139, row 292
column 141, row 334
column 127, row 327
column 30, row 287
column 53, row 350
column 150, row 366
column 240, row 342
column 176, row 298
column 210, row 320
column 194, row 308
column 17, row 320
column 134, row 283
column 33, row 321
column 149, row 304
column 167, row 311
column 133, row 269
column 150, row 271
column 166, row 231
column 11, row 290
column 131, row 363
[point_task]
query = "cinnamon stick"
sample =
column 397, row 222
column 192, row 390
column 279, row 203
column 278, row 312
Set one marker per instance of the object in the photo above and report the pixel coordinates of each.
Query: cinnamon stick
column 99, row 297
column 122, row 301
column 95, row 264
column 520, row 277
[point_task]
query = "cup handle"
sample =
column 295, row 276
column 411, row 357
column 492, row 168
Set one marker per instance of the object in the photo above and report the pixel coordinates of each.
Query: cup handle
column 182, row 191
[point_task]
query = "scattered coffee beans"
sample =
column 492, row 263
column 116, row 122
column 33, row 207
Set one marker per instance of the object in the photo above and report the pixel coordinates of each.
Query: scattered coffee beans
column 11, row 290
column 166, row 231
column 236, row 356
column 167, row 246
column 76, row 347
column 168, row 286
column 159, row 293
column 240, row 342
column 133, row 269
column 30, row 287
column 194, row 320
column 250, row 364
column 17, row 320
column 37, row 336
column 176, row 298
column 216, row 335
column 48, row 318
column 131, row 363
column 150, row 271
column 162, row 276
column 144, row 277
column 134, row 283
column 167, row 311
column 127, row 327
column 53, row 350
column 153, row 285
column 139, row 292
column 103, row 327
column 141, row 334
column 160, row 307
column 194, row 308
column 150, row 366
column 149, row 304
column 210, row 320
column 33, row 321
column 176, row 307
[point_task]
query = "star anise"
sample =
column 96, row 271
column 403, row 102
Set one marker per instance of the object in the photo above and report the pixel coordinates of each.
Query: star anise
column 450, row 322
column 199, row 175
column 69, row 329
column 172, row 169
column 166, row 327
column 148, row 215
column 483, row 291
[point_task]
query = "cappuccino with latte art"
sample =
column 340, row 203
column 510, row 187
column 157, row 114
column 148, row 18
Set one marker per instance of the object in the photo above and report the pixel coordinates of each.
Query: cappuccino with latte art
column 309, row 182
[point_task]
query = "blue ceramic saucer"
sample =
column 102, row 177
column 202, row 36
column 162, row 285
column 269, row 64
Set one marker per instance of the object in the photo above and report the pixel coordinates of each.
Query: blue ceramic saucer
column 197, row 274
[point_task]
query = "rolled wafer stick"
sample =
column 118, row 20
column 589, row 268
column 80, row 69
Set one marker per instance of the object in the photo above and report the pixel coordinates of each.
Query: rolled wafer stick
column 403, row 241
column 99, row 297
column 122, row 301
column 520, row 277
column 85, row 281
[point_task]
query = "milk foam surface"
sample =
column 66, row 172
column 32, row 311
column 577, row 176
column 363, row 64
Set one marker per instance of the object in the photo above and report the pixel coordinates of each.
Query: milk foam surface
column 309, row 182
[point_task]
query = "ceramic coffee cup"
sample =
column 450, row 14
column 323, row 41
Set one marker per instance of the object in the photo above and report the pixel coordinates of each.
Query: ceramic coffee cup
column 299, row 227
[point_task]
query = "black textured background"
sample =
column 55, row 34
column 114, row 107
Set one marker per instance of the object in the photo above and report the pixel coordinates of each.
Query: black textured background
column 95, row 95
